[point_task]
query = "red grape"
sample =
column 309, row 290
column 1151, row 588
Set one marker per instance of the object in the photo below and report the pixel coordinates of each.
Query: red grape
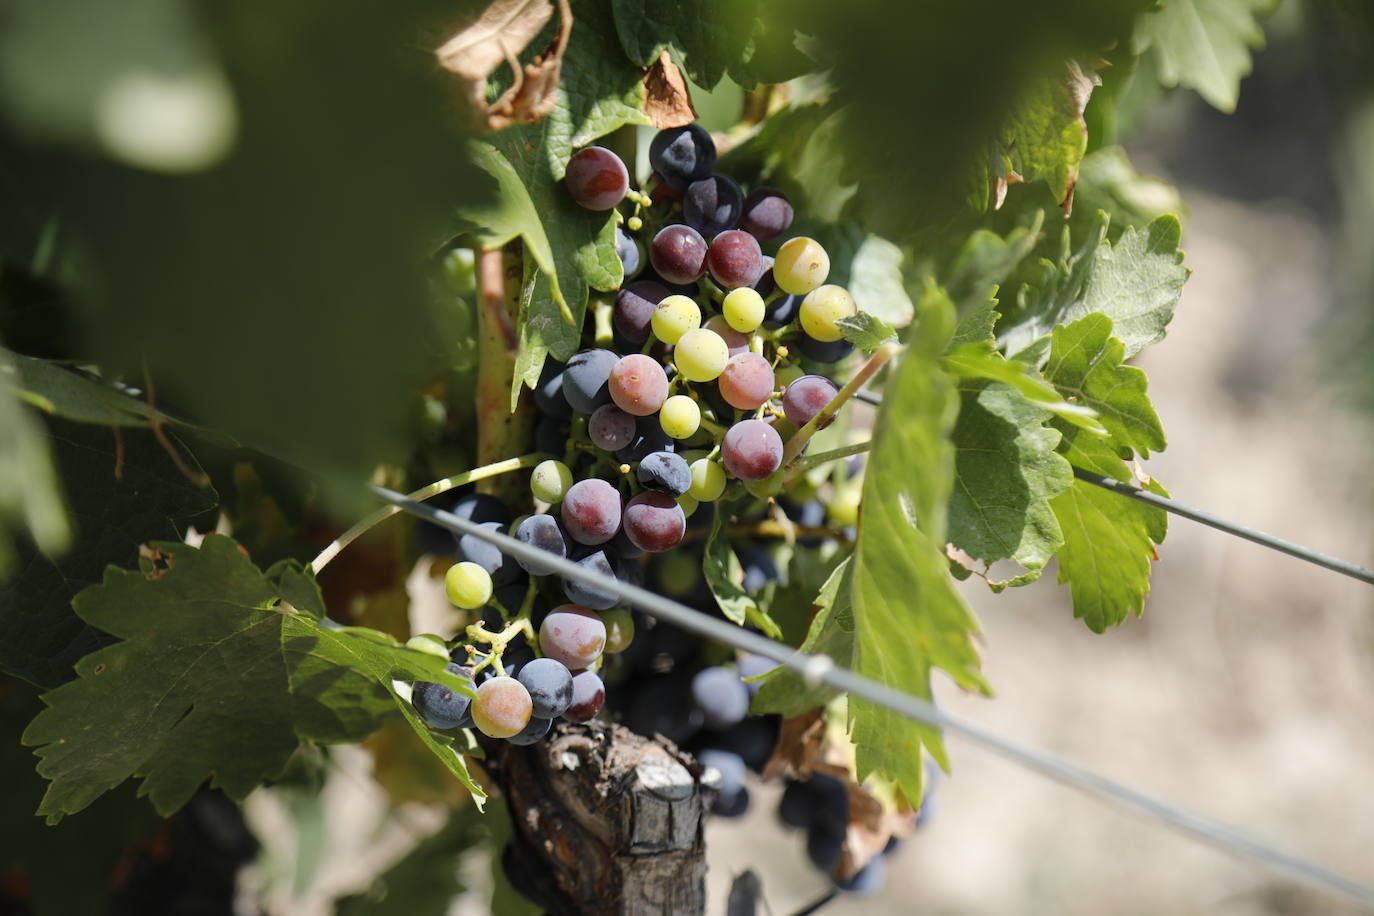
column 589, row 695
column 654, row 521
column 735, row 259
column 805, row 397
column 634, row 307
column 747, row 381
column 638, row 385
column 591, row 511
column 572, row 635
column 596, row 178
column 751, row 450
column 678, row 254
column 610, row 428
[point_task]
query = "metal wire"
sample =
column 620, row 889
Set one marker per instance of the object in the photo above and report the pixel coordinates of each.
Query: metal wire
column 822, row 669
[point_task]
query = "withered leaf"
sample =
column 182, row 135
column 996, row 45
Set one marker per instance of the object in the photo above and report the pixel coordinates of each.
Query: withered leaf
column 667, row 101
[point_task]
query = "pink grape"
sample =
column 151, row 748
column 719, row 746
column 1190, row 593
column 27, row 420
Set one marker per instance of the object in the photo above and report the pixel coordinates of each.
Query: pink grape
column 638, row 385
column 591, row 511
column 572, row 635
column 747, row 382
column 502, row 707
column 678, row 254
column 610, row 428
column 735, row 259
column 596, row 178
column 654, row 522
column 589, row 695
column 805, row 397
column 751, row 450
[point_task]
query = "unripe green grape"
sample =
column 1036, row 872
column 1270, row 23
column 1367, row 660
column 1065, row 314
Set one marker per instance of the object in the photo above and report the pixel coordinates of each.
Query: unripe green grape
column 620, row 629
column 700, row 355
column 843, row 508
column 674, row 317
column 550, row 481
column 688, row 503
column 800, row 266
column 467, row 585
column 679, row 416
column 708, row 480
column 822, row 308
column 743, row 309
column 429, row 644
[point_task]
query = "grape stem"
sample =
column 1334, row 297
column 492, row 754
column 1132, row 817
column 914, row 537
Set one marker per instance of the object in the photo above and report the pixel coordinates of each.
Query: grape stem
column 498, row 641
column 420, row 495
column 792, row 451
column 770, row 528
column 844, row 451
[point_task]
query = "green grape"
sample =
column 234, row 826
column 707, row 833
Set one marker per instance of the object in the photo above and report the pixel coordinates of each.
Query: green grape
column 700, row 355
column 620, row 629
column 673, row 317
column 429, row 644
column 550, row 481
column 688, row 503
column 679, row 416
column 467, row 585
column 843, row 508
column 743, row 309
column 822, row 308
column 708, row 480
column 800, row 266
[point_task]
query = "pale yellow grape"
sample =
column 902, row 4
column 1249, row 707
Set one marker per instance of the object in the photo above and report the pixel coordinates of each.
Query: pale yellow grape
column 822, row 308
column 687, row 503
column 550, row 480
column 708, row 480
column 743, row 309
column 680, row 416
column 467, row 585
column 673, row 317
column 800, row 266
column 700, row 355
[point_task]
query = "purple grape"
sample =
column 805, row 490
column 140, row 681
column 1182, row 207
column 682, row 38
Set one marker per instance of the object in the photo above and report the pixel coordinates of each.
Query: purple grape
column 767, row 214
column 649, row 437
column 654, row 522
column 548, row 391
column 572, row 636
column 592, row 596
column 735, row 342
column 824, row 351
column 751, row 450
column 713, row 205
column 610, row 428
column 638, row 385
column 591, row 511
column 627, row 249
column 747, row 381
column 735, row 259
column 666, row 472
column 805, row 398
column 682, row 155
column 535, row 729
column 678, row 254
column 586, row 379
column 730, row 766
column 634, row 307
column 437, row 704
column 596, row 178
column 781, row 312
column 550, row 685
column 541, row 531
column 499, row 565
column 589, row 695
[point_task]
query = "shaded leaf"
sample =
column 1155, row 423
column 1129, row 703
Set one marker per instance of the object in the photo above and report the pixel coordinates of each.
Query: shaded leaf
column 981, row 360
column 725, row 577
column 1045, row 135
column 70, row 394
column 711, row 35
column 30, row 499
column 866, row 332
column 1204, row 45
column 831, row 634
column 499, row 34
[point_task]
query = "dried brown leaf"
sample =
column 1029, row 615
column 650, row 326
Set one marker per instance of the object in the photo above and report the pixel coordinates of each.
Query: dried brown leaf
column 799, row 745
column 667, row 100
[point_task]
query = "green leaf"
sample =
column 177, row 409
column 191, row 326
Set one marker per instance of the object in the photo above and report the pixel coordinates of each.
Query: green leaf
column 1085, row 365
column 1204, row 45
column 40, row 637
column 1006, row 472
column 542, row 331
column 866, row 332
column 30, row 498
column 215, row 675
column 1045, row 135
column 712, row 36
column 831, row 634
column 1109, row 540
column 73, row 395
column 725, row 577
column 908, row 617
column 599, row 92
column 981, row 360
column 876, row 283
column 980, row 266
column 427, row 880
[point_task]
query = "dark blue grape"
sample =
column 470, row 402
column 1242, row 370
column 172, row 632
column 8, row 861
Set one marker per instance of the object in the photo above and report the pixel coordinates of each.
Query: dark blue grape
column 731, row 769
column 536, row 729
column 586, row 379
column 634, row 309
column 438, row 705
column 752, row 739
column 823, row 351
column 751, row 665
column 627, row 249
column 823, row 848
column 516, row 656
column 550, row 435
column 627, row 548
column 782, row 312
column 830, row 803
column 867, row 880
column 766, row 214
column 592, row 596
column 649, row 438
column 666, row 472
column 794, row 809
column 736, row 806
column 723, row 410
column 720, row 696
column 713, row 205
column 550, row 686
column 663, row 706
column 502, row 567
column 548, row 392
column 481, row 508
column 759, row 570
column 682, row 155
column 541, row 531
column 765, row 284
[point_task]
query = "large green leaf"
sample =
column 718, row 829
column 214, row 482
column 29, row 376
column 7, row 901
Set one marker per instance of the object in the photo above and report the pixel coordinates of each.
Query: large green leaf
column 1204, row 45
column 216, row 674
column 66, row 393
column 711, row 36
column 981, row 360
column 831, row 634
column 1006, row 472
column 908, row 617
column 1045, row 136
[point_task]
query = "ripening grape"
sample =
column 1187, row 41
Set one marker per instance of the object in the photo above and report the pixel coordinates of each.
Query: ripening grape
column 721, row 696
column 688, row 503
column 751, row 450
column 680, row 416
column 591, row 511
column 678, row 254
column 596, row 178
column 634, row 309
column 610, row 428
column 620, row 629
column 805, row 397
column 735, row 259
column 673, row 317
column 682, row 155
column 597, row 597
column 541, row 531
column 638, row 385
column 572, row 636
column 746, row 382
column 822, row 308
column 735, row 342
column 843, row 508
column 800, row 266
column 700, row 355
column 550, row 685
column 467, row 585
column 589, row 695
column 535, row 729
column 743, row 309
column 586, row 379
column 767, row 214
column 550, row 480
column 664, row 471
column 502, row 707
column 713, row 205
column 654, row 521
column 824, row 351
column 708, row 480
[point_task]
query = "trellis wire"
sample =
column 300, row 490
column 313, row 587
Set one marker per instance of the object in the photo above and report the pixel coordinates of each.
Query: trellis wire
column 821, row 669
column 1344, row 567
